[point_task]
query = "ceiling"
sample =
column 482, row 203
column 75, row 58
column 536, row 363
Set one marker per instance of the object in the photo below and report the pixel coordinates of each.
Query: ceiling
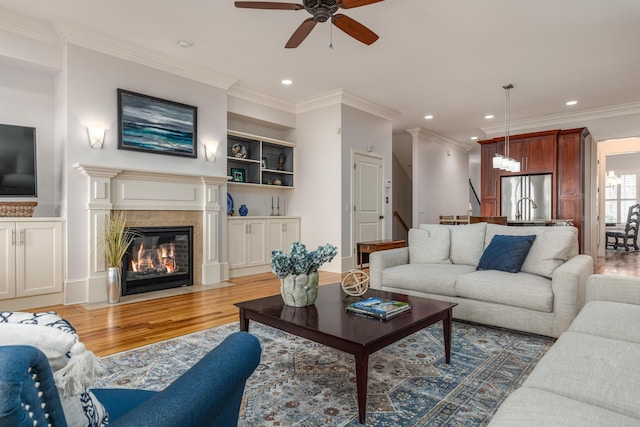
column 448, row 58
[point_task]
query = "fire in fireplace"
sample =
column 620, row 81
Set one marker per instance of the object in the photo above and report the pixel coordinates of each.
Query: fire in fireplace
column 160, row 258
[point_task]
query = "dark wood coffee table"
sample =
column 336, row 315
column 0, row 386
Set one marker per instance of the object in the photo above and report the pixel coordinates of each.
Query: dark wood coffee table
column 327, row 322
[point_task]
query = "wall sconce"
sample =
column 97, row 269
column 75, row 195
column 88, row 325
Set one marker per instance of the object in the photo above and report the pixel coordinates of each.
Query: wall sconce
column 96, row 136
column 210, row 151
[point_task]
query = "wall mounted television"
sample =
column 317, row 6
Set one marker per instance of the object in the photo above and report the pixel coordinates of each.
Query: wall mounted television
column 17, row 161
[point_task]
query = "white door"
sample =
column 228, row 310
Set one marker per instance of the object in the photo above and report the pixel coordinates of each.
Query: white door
column 257, row 242
column 367, row 198
column 237, row 243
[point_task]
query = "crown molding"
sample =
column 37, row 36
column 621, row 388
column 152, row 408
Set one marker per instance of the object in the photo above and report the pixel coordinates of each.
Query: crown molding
column 572, row 117
column 260, row 98
column 85, row 37
column 341, row 96
column 23, row 25
column 436, row 137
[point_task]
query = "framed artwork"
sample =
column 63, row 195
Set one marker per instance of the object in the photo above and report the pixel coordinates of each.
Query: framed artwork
column 237, row 175
column 265, row 164
column 155, row 125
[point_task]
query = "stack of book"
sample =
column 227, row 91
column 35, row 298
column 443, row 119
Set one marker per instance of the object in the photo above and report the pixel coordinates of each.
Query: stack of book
column 379, row 308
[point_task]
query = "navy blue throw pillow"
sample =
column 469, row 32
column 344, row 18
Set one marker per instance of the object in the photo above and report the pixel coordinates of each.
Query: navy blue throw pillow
column 506, row 253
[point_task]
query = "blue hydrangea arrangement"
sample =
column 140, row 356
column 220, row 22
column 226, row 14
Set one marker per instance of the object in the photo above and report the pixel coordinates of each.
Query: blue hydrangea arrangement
column 299, row 261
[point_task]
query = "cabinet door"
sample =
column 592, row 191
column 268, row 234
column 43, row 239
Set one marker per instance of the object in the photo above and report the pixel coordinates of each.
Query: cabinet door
column 38, row 258
column 237, row 243
column 541, row 154
column 488, row 180
column 7, row 261
column 257, row 243
column 274, row 236
column 291, row 232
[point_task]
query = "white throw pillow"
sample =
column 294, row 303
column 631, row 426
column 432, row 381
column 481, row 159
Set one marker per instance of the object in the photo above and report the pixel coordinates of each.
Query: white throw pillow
column 467, row 243
column 429, row 246
column 54, row 343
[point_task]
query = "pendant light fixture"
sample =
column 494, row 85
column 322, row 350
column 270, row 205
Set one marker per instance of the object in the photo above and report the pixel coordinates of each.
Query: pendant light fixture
column 505, row 162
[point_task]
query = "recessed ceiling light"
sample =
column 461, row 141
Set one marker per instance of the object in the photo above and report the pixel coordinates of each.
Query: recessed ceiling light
column 488, row 116
column 474, row 138
column 429, row 116
column 571, row 102
column 185, row 43
column 287, row 82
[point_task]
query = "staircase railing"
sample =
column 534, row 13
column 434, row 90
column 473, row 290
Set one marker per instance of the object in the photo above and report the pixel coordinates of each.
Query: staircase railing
column 396, row 214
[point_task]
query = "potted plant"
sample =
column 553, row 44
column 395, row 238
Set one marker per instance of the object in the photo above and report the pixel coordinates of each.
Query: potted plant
column 298, row 272
column 116, row 239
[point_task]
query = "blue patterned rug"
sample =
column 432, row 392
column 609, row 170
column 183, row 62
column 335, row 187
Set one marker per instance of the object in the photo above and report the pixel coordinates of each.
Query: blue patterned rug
column 301, row 383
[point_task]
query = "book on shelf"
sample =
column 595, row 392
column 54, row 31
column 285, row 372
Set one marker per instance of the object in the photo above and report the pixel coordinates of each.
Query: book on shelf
column 379, row 308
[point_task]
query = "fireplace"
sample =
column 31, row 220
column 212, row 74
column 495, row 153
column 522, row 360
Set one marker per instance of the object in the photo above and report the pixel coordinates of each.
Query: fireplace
column 160, row 258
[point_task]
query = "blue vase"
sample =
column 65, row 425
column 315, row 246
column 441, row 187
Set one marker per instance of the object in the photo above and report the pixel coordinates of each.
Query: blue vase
column 243, row 210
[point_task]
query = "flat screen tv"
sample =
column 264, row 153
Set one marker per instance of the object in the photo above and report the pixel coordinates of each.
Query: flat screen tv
column 17, row 161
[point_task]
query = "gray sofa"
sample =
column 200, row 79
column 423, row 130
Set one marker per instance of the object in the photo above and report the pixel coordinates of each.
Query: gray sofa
column 590, row 376
column 440, row 263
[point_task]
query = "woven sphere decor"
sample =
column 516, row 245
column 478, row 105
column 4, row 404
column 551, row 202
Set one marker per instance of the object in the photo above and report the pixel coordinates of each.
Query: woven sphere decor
column 355, row 283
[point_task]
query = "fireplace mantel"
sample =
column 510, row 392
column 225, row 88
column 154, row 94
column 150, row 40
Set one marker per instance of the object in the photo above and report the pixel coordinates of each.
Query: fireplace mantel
column 117, row 188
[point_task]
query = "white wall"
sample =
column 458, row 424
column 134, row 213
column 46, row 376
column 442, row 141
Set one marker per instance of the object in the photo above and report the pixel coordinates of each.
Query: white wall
column 91, row 83
column 440, row 180
column 28, row 100
column 318, row 180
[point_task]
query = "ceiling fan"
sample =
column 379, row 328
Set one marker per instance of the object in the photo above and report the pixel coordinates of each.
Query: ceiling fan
column 322, row 11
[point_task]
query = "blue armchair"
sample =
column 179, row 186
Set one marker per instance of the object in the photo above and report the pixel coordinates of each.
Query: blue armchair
column 208, row 394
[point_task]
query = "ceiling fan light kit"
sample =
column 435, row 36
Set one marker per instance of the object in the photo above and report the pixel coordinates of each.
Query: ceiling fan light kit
column 321, row 11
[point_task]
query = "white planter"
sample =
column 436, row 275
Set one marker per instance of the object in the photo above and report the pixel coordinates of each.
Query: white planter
column 299, row 290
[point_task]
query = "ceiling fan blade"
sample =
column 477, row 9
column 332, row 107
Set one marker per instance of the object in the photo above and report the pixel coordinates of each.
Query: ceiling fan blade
column 354, row 29
column 268, row 5
column 301, row 33
column 350, row 4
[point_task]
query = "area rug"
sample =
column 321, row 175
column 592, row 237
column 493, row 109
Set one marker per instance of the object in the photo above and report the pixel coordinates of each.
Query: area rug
column 302, row 383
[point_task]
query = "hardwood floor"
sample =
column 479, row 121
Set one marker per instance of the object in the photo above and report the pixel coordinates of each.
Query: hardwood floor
column 121, row 327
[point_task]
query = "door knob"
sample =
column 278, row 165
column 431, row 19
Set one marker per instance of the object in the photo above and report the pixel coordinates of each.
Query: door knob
column 381, row 216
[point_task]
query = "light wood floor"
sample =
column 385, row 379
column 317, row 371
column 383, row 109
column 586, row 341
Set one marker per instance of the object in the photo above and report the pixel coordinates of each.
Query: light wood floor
column 121, row 327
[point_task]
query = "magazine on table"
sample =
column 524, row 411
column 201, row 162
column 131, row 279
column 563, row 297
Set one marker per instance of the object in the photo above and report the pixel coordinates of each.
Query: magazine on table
column 380, row 308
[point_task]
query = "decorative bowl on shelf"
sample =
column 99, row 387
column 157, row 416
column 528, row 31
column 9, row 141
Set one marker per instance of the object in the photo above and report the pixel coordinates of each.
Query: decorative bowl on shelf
column 239, row 151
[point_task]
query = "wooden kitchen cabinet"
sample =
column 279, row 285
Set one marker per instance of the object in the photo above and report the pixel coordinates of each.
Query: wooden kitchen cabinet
column 489, row 181
column 572, row 149
column 558, row 152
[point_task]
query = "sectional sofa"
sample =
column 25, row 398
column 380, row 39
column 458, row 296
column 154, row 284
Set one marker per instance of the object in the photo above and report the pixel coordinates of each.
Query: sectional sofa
column 590, row 376
column 441, row 262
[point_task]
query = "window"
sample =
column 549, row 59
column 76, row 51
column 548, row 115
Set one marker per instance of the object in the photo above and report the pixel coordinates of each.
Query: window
column 620, row 194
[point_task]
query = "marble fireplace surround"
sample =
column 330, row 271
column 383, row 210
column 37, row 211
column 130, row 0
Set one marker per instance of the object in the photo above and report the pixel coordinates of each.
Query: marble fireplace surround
column 154, row 199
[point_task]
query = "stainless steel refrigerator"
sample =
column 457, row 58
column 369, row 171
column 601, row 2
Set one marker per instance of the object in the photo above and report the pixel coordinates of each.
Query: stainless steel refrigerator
column 526, row 197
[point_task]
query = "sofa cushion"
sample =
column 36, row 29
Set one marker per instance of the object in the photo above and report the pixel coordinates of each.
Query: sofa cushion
column 609, row 320
column 429, row 278
column 530, row 407
column 429, row 246
column 594, row 370
column 552, row 247
column 522, row 290
column 467, row 241
column 506, row 253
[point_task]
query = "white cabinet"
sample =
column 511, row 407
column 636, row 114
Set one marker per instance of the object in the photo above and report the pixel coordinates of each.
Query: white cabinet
column 247, row 243
column 30, row 258
column 251, row 240
column 281, row 233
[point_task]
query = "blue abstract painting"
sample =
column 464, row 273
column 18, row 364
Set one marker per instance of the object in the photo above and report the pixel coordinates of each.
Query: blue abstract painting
column 156, row 125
